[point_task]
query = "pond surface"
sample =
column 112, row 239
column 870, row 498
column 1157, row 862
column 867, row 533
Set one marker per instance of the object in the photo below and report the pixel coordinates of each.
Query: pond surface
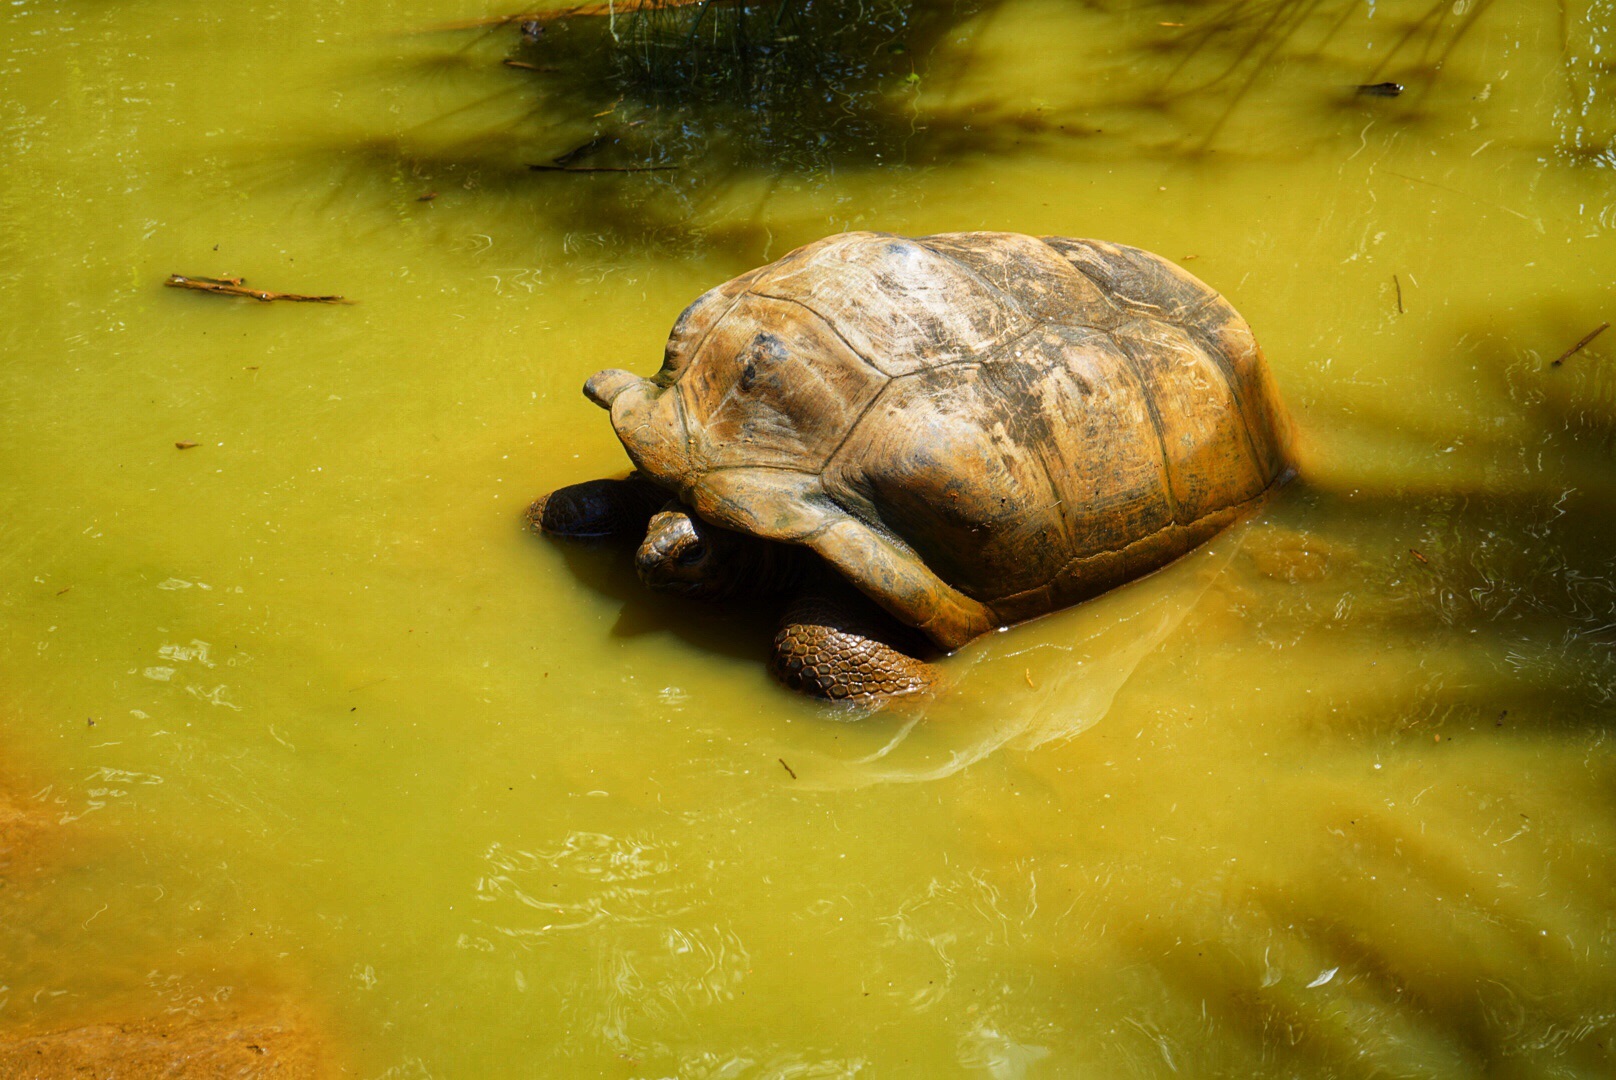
column 1334, row 796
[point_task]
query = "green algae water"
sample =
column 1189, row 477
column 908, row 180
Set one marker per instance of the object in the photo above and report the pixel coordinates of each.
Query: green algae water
column 1331, row 796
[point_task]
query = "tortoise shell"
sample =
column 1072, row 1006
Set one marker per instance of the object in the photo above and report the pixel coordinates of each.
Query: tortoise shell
column 973, row 428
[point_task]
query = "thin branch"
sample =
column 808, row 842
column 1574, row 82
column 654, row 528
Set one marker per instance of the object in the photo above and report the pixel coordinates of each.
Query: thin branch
column 238, row 287
column 1579, row 346
column 602, row 168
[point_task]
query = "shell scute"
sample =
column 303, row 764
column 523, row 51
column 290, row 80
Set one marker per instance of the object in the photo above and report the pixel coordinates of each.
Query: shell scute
column 1206, row 444
column 696, row 321
column 1031, row 275
column 1137, row 282
column 998, row 471
column 772, row 385
column 895, row 302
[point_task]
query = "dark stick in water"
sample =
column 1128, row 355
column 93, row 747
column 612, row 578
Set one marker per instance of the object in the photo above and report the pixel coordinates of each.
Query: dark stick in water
column 238, row 287
column 601, row 168
column 1578, row 347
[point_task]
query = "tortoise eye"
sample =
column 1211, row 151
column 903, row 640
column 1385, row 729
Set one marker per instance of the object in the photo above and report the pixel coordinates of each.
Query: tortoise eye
column 691, row 555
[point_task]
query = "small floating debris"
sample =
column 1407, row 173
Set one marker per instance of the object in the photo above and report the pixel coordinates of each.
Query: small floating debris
column 1324, row 977
column 1380, row 89
column 786, row 767
column 1398, row 285
column 234, row 286
column 426, row 197
column 184, row 444
column 1579, row 346
column 1421, row 559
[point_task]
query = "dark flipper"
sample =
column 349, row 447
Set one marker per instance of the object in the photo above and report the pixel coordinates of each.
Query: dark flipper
column 835, row 643
column 598, row 508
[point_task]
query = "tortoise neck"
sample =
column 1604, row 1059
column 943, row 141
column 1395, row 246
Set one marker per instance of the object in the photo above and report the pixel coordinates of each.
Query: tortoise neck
column 766, row 568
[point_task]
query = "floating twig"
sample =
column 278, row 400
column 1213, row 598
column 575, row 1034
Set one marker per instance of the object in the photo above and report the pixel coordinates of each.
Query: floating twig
column 1398, row 285
column 525, row 66
column 583, row 150
column 184, row 444
column 786, row 767
column 486, row 22
column 602, row 168
column 238, row 287
column 1579, row 346
column 1421, row 559
column 1381, row 89
column 1461, row 194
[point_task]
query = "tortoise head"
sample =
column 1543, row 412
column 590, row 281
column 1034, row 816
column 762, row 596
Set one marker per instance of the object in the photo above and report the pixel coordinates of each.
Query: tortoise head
column 683, row 554
column 646, row 416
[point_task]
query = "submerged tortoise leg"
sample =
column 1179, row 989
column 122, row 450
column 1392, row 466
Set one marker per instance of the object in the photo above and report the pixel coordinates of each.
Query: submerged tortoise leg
column 597, row 508
column 835, row 643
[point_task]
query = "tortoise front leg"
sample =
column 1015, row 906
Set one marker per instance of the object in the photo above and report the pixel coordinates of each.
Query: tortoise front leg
column 835, row 643
column 598, row 508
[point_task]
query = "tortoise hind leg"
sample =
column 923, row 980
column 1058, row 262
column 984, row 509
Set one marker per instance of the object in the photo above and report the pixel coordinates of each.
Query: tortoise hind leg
column 834, row 643
column 598, row 508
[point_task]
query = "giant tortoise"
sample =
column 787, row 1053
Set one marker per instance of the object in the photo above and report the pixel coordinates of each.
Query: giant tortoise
column 969, row 429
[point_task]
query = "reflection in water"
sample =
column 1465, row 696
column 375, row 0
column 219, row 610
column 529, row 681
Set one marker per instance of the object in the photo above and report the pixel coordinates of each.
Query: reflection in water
column 643, row 957
column 1023, row 696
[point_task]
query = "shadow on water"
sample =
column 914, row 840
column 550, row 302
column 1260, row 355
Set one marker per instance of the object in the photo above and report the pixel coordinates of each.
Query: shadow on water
column 1515, row 554
column 654, row 126
column 1523, row 577
column 798, row 87
column 642, row 121
column 740, row 630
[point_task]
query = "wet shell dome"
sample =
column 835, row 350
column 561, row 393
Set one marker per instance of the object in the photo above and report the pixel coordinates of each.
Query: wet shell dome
column 973, row 428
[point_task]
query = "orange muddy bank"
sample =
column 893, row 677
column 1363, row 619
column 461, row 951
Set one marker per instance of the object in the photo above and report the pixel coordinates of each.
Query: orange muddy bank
column 245, row 1041
column 244, row 1044
column 21, row 832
